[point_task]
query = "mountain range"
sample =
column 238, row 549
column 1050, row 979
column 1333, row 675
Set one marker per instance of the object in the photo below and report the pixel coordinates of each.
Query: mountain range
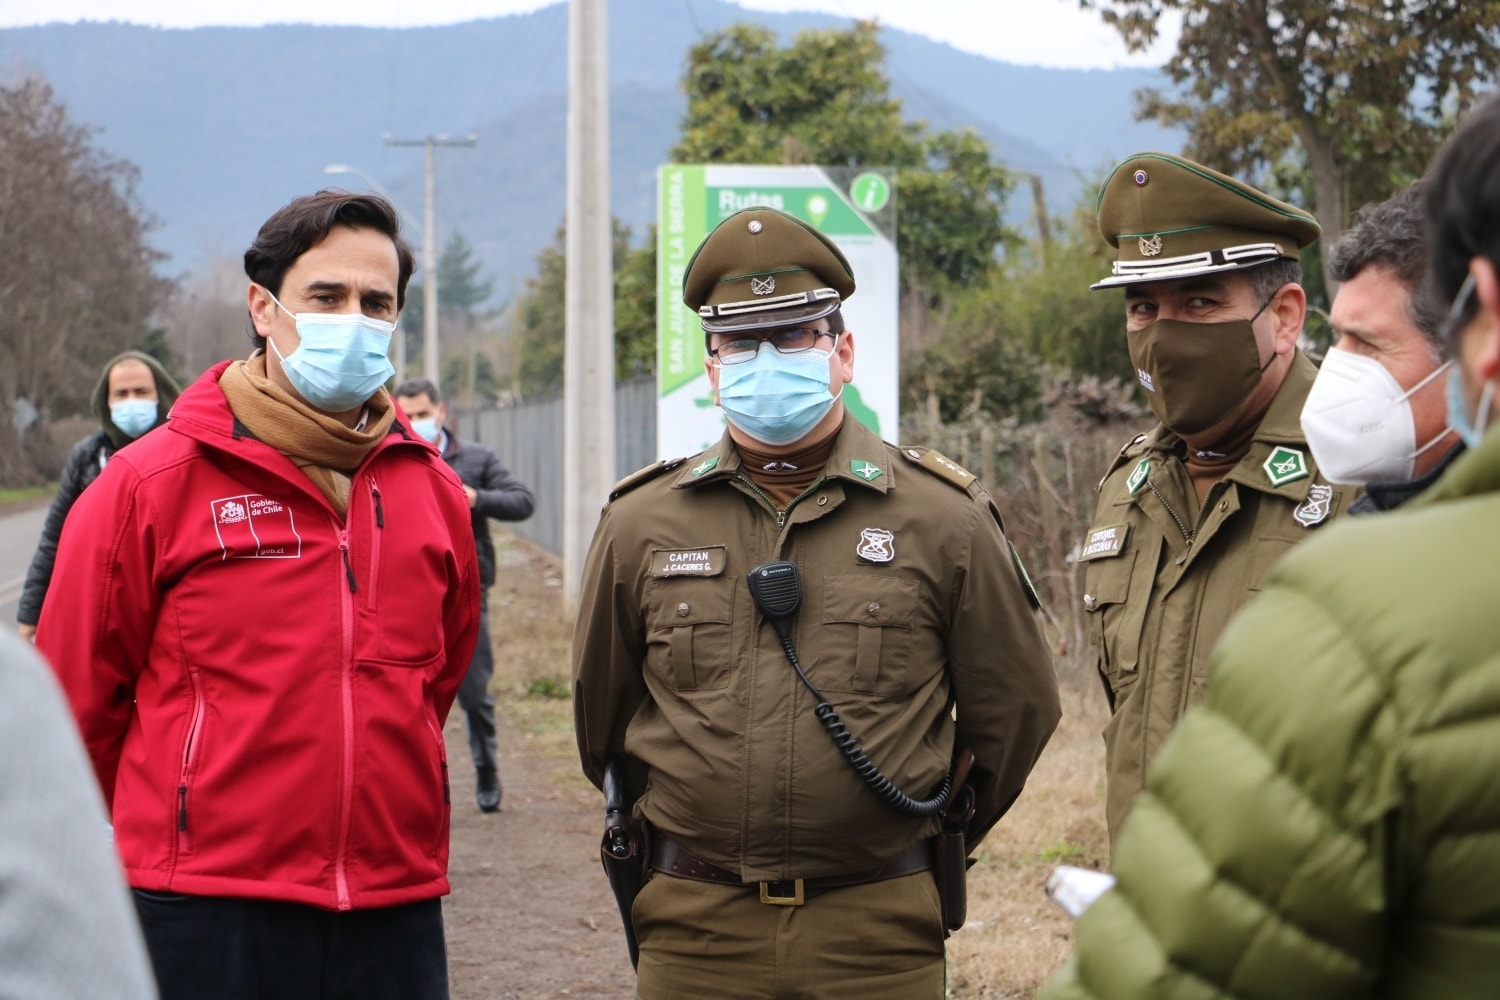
column 228, row 124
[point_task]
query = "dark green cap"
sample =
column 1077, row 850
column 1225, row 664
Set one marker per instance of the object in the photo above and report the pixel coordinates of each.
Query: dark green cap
column 762, row 268
column 1171, row 218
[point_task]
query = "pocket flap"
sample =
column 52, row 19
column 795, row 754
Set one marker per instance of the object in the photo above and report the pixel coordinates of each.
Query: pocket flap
column 881, row 601
column 692, row 601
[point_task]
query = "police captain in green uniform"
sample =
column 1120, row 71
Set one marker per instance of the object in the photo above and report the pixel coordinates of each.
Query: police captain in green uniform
column 1193, row 513
column 776, row 870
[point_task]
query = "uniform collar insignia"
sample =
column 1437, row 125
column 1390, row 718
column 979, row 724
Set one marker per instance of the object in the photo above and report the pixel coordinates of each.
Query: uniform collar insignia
column 1138, row 476
column 704, row 466
column 864, row 470
column 1285, row 465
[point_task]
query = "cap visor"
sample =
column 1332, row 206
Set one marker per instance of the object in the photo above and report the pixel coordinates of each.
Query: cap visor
column 770, row 318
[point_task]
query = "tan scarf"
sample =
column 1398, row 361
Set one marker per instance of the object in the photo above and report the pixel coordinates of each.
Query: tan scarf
column 319, row 445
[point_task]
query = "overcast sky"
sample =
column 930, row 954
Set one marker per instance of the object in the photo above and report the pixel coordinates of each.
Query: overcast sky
column 1037, row 32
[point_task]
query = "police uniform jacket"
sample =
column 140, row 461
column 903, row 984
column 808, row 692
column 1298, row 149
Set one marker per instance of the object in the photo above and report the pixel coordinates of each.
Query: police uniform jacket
column 1327, row 824
column 912, row 605
column 1164, row 574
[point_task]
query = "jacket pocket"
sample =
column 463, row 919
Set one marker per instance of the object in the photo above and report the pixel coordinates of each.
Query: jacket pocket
column 1114, row 621
column 865, row 643
column 688, row 646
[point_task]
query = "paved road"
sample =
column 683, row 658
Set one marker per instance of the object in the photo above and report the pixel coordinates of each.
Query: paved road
column 18, row 535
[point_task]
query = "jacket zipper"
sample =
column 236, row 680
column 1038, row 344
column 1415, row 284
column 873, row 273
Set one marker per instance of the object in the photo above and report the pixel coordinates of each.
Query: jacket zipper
column 189, row 751
column 1188, row 535
column 780, row 514
column 346, row 692
column 374, row 575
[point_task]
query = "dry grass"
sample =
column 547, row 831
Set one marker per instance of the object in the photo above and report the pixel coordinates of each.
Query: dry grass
column 1015, row 936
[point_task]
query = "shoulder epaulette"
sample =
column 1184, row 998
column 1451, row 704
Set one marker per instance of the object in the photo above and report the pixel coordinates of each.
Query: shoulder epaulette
column 645, row 475
column 1128, row 450
column 941, row 466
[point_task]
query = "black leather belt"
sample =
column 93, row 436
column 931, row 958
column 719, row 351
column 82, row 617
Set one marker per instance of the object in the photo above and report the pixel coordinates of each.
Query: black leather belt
column 671, row 858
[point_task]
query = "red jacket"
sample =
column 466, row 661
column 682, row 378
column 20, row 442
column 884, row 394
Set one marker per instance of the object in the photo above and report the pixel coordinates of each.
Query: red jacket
column 261, row 686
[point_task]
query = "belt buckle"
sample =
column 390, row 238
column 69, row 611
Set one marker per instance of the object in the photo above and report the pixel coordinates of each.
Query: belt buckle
column 785, row 893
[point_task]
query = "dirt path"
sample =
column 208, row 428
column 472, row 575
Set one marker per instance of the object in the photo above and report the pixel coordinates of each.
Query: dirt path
column 531, row 914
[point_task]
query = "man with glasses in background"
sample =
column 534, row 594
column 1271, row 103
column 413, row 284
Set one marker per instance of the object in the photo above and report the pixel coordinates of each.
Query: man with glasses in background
column 776, row 870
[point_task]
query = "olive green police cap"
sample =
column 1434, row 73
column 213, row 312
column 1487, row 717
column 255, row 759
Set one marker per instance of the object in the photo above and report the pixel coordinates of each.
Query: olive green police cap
column 1172, row 218
column 762, row 268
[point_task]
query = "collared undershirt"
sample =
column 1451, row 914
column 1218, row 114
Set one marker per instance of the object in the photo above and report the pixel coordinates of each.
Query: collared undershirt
column 784, row 476
column 1211, row 465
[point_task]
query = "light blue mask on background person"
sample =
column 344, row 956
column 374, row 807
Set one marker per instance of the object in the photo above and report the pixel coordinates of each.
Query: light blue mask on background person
column 427, row 428
column 342, row 359
column 133, row 416
column 777, row 398
column 1458, row 414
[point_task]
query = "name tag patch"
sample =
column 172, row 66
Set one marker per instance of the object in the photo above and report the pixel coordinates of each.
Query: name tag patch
column 1104, row 542
column 707, row 560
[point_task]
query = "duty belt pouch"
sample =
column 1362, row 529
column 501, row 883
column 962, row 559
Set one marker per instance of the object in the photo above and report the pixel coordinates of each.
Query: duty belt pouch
column 950, row 863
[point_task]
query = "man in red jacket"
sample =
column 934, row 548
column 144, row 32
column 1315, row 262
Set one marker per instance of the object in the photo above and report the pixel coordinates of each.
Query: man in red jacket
column 262, row 616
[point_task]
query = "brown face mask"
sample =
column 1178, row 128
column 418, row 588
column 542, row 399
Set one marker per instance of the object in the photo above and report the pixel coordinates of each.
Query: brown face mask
column 1195, row 374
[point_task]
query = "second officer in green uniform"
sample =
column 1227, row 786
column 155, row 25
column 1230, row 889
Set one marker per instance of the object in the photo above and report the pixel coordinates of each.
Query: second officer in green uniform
column 1193, row 513
column 778, row 871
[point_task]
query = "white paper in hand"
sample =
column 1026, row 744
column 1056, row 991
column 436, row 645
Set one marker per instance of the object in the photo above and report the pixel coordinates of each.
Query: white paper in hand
column 1074, row 889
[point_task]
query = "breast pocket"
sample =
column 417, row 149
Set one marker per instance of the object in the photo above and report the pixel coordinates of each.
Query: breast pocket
column 1114, row 620
column 688, row 645
column 865, row 642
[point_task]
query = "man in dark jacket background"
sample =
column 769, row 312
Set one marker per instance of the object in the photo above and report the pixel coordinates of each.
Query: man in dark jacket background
column 493, row 493
column 133, row 395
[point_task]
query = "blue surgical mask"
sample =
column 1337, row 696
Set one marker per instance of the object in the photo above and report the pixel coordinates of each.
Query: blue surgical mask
column 428, row 428
column 342, row 359
column 133, row 416
column 777, row 398
column 1458, row 413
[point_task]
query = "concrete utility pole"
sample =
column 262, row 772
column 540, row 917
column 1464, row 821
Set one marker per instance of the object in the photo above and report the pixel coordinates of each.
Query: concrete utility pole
column 430, row 249
column 589, row 319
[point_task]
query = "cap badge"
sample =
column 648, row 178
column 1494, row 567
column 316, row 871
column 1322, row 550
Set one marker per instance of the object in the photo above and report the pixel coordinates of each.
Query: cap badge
column 754, row 225
column 1314, row 510
column 1151, row 246
column 876, row 545
column 1285, row 465
column 762, row 286
column 1141, row 177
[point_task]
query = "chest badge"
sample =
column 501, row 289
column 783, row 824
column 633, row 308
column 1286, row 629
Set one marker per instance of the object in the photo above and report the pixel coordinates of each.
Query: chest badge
column 704, row 466
column 1138, row 476
column 876, row 545
column 864, row 470
column 1316, row 508
column 1285, row 465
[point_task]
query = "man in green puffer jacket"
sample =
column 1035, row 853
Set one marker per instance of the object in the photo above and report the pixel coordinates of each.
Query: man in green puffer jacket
column 1327, row 825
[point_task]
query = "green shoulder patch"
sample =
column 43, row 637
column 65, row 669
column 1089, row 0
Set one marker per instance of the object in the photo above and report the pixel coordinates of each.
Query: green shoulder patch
column 645, row 475
column 940, row 465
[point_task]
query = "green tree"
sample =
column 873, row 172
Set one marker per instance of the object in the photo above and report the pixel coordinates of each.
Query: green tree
column 538, row 315
column 79, row 283
column 462, row 293
column 1358, row 93
column 825, row 99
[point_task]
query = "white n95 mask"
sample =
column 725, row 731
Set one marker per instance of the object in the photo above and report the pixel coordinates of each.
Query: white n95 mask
column 1359, row 423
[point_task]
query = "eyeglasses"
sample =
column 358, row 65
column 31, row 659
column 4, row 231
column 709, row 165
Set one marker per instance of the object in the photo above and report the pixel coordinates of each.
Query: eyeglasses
column 793, row 341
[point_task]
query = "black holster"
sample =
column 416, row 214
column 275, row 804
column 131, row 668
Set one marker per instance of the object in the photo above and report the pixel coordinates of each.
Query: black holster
column 950, row 861
column 622, row 850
